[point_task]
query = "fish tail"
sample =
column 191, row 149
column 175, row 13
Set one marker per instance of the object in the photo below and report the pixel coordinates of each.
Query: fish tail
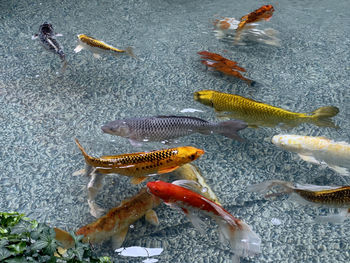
column 64, row 237
column 243, row 240
column 86, row 156
column 264, row 187
column 130, row 52
column 230, row 129
column 322, row 116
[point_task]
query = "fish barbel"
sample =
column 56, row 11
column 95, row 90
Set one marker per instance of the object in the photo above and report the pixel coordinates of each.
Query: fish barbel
column 256, row 113
column 163, row 128
column 243, row 241
column 98, row 47
column 139, row 165
column 331, row 196
column 317, row 150
column 115, row 224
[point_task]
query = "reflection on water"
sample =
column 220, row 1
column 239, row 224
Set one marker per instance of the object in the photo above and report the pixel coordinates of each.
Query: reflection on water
column 42, row 112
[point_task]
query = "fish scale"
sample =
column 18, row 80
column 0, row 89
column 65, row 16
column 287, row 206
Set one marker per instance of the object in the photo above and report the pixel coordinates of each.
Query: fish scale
column 339, row 196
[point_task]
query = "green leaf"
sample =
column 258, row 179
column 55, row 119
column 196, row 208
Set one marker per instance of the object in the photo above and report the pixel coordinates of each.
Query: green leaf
column 38, row 245
column 80, row 253
column 21, row 227
column 18, row 248
column 5, row 253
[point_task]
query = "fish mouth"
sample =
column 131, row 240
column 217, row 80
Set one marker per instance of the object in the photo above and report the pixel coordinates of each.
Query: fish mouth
column 196, row 96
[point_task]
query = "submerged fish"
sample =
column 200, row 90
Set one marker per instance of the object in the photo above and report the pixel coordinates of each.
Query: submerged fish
column 162, row 128
column 331, row 196
column 243, row 241
column 47, row 39
column 317, row 150
column 190, row 172
column 224, row 65
column 260, row 114
column 115, row 224
column 98, row 47
column 141, row 164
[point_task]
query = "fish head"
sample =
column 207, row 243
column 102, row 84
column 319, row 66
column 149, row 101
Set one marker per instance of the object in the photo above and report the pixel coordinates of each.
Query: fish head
column 188, row 154
column 46, row 28
column 117, row 127
column 205, row 97
column 288, row 142
column 159, row 189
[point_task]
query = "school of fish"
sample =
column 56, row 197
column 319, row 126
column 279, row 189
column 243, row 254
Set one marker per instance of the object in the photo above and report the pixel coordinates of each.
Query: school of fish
column 189, row 192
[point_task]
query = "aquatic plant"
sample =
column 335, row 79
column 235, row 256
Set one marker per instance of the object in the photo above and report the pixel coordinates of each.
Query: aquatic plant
column 26, row 240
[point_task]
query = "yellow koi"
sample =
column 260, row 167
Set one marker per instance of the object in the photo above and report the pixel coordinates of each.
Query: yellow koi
column 98, row 47
column 260, row 114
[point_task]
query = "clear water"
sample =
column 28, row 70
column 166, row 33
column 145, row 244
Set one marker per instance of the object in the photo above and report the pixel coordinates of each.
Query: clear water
column 41, row 114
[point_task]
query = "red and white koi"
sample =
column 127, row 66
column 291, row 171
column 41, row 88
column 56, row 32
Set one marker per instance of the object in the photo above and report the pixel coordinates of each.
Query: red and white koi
column 243, row 241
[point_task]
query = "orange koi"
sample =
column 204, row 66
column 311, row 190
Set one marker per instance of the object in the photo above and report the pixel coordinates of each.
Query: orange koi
column 265, row 12
column 116, row 222
column 139, row 165
column 243, row 241
column 224, row 65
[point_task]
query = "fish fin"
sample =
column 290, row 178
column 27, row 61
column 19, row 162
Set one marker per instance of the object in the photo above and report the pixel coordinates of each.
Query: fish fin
column 341, row 170
column 308, row 158
column 64, row 237
column 79, row 172
column 86, row 156
column 230, row 129
column 95, row 210
column 138, row 179
column 135, row 143
column 96, row 55
column 130, row 52
column 335, row 218
column 322, row 116
column 243, row 240
column 78, row 48
column 118, row 238
column 35, row 36
column 167, row 170
column 265, row 186
column 198, row 223
column 151, row 217
column 189, row 184
column 58, row 35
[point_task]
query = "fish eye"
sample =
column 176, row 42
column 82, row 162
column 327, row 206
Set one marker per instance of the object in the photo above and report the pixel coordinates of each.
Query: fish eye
column 192, row 157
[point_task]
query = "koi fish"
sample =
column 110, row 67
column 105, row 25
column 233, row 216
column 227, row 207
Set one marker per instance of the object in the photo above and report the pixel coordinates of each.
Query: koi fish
column 139, row 165
column 256, row 113
column 190, row 172
column 116, row 222
column 225, row 29
column 98, row 47
column 263, row 13
column 330, row 196
column 164, row 128
column 47, row 39
column 224, row 65
column 243, row 241
column 317, row 150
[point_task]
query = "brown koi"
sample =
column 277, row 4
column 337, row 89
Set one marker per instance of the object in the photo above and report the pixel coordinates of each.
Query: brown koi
column 263, row 13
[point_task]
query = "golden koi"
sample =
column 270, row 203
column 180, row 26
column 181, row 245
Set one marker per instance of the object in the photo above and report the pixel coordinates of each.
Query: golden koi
column 98, row 47
column 317, row 150
column 139, row 165
column 331, row 196
column 260, row 114
column 116, row 222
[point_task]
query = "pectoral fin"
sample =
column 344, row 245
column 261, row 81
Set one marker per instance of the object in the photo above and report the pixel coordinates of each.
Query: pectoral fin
column 167, row 170
column 96, row 55
column 78, row 48
column 118, row 238
column 308, row 158
column 151, row 217
column 341, row 170
column 138, row 179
